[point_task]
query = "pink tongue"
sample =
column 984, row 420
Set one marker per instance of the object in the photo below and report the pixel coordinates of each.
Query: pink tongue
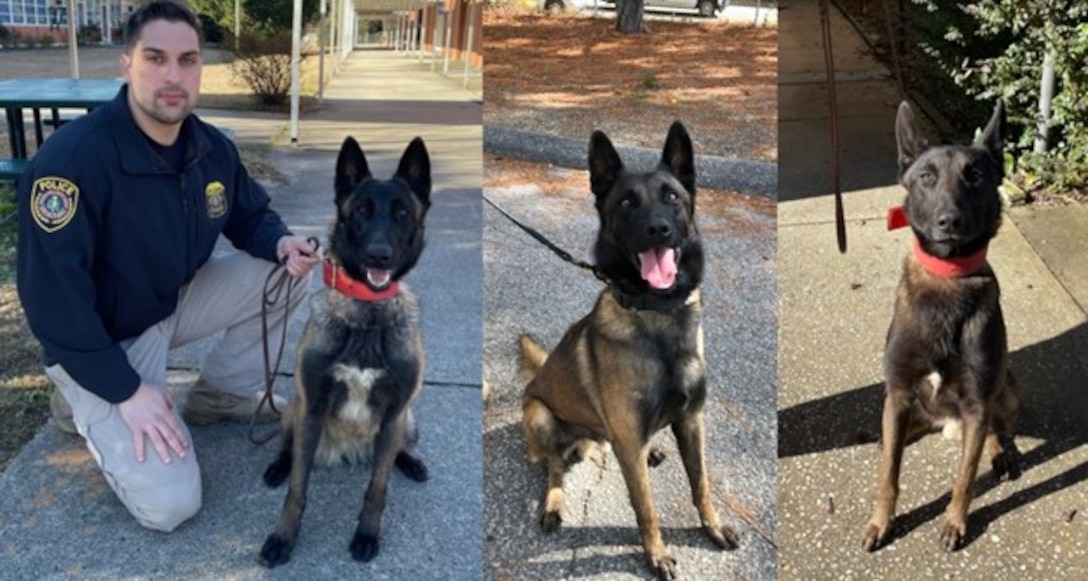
column 658, row 267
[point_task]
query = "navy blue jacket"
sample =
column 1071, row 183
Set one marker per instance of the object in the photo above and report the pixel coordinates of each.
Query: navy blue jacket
column 109, row 233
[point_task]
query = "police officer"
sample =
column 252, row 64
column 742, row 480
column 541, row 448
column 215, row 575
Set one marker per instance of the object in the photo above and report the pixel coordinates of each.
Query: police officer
column 119, row 212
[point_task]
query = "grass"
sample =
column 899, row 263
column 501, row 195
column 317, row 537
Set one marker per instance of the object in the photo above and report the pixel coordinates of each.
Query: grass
column 24, row 389
column 649, row 81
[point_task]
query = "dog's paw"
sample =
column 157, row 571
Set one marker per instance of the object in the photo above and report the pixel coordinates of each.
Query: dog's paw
column 276, row 551
column 656, row 457
column 664, row 566
column 723, row 535
column 952, row 533
column 363, row 547
column 875, row 535
column 411, row 466
column 550, row 521
column 1006, row 466
column 277, row 472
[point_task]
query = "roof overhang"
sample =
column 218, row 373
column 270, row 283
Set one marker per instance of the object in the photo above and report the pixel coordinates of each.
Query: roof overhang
column 389, row 6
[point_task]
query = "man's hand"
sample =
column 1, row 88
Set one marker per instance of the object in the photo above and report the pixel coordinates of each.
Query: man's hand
column 149, row 414
column 297, row 255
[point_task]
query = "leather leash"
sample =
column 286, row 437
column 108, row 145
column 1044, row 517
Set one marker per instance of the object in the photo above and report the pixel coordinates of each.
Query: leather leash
column 625, row 300
column 566, row 256
column 836, row 182
column 278, row 283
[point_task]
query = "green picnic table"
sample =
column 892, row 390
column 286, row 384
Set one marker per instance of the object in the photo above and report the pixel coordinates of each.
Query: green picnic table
column 51, row 95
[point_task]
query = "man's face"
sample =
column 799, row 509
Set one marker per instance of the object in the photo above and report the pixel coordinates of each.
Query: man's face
column 163, row 71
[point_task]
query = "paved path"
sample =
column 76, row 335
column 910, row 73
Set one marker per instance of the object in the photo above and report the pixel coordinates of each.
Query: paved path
column 61, row 520
column 834, row 310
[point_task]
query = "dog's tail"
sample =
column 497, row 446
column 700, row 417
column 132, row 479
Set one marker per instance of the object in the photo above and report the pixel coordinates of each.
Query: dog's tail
column 533, row 357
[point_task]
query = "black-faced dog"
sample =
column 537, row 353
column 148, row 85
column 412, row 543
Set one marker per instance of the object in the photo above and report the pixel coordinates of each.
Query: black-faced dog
column 945, row 360
column 360, row 359
column 634, row 364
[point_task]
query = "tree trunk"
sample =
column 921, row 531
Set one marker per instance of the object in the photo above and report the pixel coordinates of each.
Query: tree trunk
column 629, row 16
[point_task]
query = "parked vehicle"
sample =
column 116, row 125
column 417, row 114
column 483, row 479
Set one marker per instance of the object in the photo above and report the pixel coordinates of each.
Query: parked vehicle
column 704, row 8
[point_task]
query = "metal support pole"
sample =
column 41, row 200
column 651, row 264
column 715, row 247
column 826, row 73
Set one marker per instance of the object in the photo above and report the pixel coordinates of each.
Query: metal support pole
column 1046, row 95
column 237, row 22
column 73, row 41
column 322, row 42
column 466, row 50
column 296, row 57
column 449, row 33
column 439, row 10
column 422, row 33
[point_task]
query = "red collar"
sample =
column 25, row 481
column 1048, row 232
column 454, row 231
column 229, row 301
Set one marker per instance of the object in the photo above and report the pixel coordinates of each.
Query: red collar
column 943, row 267
column 949, row 267
column 339, row 281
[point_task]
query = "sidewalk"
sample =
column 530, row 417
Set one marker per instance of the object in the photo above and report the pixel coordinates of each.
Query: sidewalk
column 834, row 310
column 62, row 521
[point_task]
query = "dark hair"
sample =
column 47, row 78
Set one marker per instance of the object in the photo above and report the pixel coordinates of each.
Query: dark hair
column 168, row 10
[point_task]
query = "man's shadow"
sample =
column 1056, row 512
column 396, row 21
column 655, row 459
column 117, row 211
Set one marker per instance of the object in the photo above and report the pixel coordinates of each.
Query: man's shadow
column 1054, row 409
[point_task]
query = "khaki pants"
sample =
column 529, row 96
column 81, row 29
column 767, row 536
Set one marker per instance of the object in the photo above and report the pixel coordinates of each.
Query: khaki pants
column 226, row 294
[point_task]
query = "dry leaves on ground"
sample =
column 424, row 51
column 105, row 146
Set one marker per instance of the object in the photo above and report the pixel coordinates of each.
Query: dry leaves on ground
column 568, row 74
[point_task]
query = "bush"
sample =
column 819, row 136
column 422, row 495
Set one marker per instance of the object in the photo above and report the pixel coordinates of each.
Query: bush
column 90, row 33
column 264, row 65
column 5, row 35
column 996, row 48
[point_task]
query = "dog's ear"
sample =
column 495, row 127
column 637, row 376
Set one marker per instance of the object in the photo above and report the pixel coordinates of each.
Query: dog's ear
column 415, row 168
column 993, row 137
column 678, row 155
column 908, row 137
column 351, row 169
column 604, row 164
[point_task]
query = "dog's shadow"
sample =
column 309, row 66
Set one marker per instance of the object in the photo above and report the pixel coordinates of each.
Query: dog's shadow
column 1054, row 409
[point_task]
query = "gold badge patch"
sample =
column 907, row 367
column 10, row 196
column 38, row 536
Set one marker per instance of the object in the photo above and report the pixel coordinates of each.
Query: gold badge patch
column 53, row 202
column 215, row 200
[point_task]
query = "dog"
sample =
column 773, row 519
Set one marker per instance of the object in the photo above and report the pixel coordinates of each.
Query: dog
column 946, row 357
column 360, row 360
column 635, row 363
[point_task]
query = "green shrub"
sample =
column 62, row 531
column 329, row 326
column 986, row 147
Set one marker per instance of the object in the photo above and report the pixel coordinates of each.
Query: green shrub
column 996, row 48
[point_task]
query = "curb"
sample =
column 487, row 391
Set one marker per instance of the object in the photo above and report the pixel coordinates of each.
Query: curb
column 747, row 176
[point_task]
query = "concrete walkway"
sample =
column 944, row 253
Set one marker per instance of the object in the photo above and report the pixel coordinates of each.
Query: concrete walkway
column 834, row 310
column 61, row 520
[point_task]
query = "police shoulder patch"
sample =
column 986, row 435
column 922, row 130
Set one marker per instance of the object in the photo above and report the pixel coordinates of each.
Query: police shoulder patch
column 53, row 202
